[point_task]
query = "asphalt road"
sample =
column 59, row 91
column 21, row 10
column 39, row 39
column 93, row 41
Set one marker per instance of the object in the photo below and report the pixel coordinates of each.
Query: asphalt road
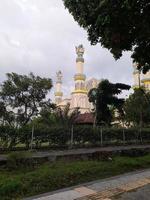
column 139, row 194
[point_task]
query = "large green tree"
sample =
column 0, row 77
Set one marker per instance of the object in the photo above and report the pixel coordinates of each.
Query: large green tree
column 119, row 25
column 22, row 97
column 137, row 108
column 104, row 98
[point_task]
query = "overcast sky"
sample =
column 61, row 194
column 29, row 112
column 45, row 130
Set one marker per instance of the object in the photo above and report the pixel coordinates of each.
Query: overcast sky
column 40, row 36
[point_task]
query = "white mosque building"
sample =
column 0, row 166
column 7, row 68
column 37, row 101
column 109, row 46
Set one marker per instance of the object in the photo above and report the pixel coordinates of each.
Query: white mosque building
column 79, row 96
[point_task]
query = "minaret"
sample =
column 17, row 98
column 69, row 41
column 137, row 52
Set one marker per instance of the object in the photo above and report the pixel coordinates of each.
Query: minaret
column 146, row 80
column 58, row 92
column 79, row 77
column 136, row 76
column 79, row 95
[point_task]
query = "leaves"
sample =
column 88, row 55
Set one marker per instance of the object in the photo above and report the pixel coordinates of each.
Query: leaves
column 118, row 25
column 105, row 100
column 22, row 97
column 65, row 116
column 137, row 108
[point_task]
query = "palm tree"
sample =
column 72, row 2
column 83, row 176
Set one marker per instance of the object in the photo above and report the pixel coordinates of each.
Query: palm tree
column 104, row 97
column 65, row 116
column 53, row 116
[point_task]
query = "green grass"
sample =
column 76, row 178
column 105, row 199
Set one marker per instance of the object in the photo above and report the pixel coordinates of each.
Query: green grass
column 25, row 182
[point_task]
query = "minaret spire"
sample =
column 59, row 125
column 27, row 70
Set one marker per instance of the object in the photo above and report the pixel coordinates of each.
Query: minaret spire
column 80, row 51
column 79, row 95
column 58, row 92
column 136, row 75
column 79, row 77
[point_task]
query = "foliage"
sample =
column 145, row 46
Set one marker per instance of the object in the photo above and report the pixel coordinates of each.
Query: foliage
column 65, row 116
column 47, row 115
column 8, row 136
column 18, row 159
column 48, row 177
column 55, row 135
column 137, row 108
column 46, row 137
column 22, row 97
column 58, row 116
column 6, row 115
column 104, row 97
column 10, row 189
column 118, row 25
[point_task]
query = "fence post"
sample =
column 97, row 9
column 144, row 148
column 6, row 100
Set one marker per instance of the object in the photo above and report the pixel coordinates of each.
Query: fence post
column 71, row 141
column 32, row 137
column 141, row 134
column 124, row 138
column 101, row 131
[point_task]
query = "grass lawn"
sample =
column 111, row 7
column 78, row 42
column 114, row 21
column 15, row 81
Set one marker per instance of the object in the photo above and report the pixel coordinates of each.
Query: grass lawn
column 26, row 182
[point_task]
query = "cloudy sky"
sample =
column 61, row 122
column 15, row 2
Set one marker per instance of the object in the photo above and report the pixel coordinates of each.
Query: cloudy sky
column 40, row 36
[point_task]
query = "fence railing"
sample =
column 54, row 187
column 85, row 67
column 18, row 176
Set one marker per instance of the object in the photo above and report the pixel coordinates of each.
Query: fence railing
column 69, row 137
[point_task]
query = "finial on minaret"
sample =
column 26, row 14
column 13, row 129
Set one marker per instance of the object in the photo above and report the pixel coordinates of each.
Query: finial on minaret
column 58, row 92
column 59, row 77
column 135, row 65
column 80, row 51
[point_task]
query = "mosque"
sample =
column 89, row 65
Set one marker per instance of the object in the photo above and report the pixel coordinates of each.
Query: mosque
column 141, row 79
column 79, row 96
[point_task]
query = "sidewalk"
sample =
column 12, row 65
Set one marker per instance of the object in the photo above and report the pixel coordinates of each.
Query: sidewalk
column 100, row 189
column 83, row 152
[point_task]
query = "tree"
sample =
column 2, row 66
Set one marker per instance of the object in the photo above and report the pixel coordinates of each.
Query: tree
column 5, row 115
column 118, row 25
column 65, row 116
column 137, row 108
column 104, row 98
column 22, row 97
column 56, row 116
column 47, row 115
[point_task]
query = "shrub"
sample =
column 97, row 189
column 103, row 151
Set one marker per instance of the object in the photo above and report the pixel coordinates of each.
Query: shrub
column 19, row 159
column 10, row 189
column 60, row 136
column 8, row 136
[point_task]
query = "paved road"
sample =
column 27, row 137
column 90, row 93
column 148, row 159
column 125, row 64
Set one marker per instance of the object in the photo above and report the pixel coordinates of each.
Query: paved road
column 142, row 193
column 98, row 187
column 51, row 155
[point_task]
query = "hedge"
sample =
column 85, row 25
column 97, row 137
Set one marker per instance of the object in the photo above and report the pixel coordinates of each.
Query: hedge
column 61, row 136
